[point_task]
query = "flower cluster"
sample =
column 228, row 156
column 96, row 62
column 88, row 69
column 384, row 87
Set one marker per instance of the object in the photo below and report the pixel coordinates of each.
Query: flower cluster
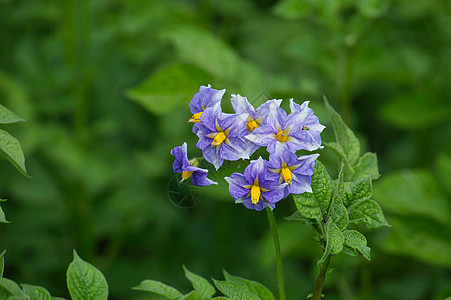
column 223, row 136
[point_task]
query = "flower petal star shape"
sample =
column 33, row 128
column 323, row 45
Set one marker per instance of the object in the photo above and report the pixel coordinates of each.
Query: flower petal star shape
column 189, row 168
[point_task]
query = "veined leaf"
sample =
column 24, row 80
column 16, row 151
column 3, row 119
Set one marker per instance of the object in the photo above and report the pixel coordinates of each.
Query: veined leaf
column 2, row 262
column 159, row 288
column 367, row 166
column 344, row 136
column 11, row 149
column 356, row 240
column 255, row 287
column 334, row 242
column 368, row 213
column 235, row 291
column 36, row 292
column 84, row 281
column 200, row 284
column 8, row 117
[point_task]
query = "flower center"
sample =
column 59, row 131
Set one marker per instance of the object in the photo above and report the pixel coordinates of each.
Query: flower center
column 282, row 136
column 219, row 138
column 186, row 175
column 251, row 125
column 286, row 175
column 255, row 194
column 195, row 118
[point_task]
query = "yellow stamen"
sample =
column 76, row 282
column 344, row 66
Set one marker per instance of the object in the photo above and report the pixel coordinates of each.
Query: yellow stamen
column 305, row 128
column 251, row 125
column 186, row 175
column 195, row 118
column 282, row 136
column 219, row 138
column 286, row 175
column 255, row 194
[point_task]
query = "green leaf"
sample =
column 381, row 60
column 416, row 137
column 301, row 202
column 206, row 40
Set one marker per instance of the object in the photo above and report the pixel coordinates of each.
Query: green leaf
column 321, row 187
column 10, row 288
column 335, row 147
column 367, row 166
column 7, row 116
column 11, row 149
column 2, row 263
column 235, row 291
column 349, row 251
column 334, row 242
column 368, row 213
column 2, row 214
column 443, row 166
column 356, row 240
column 344, row 136
column 362, row 189
column 293, row 9
column 200, row 284
column 84, row 281
column 340, row 213
column 307, row 206
column 347, row 193
column 159, row 288
column 408, row 192
column 255, row 287
column 36, row 292
column 193, row 295
column 206, row 51
column 169, row 88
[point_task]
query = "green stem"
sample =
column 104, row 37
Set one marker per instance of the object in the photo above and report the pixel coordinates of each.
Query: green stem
column 320, row 280
column 275, row 235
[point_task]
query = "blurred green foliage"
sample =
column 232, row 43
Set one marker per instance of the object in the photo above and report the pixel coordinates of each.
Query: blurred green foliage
column 101, row 166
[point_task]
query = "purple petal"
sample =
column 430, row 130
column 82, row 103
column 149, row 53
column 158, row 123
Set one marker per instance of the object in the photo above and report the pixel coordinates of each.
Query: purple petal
column 233, row 148
column 206, row 97
column 257, row 168
column 211, row 154
column 306, row 164
column 259, row 206
column 200, row 179
column 237, row 185
column 210, row 116
column 242, row 106
column 301, row 184
column 235, row 123
column 275, row 191
column 181, row 157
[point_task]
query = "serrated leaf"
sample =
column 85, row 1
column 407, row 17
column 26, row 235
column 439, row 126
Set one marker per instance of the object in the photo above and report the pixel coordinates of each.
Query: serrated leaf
column 200, row 284
column 356, row 240
column 234, row 290
column 169, row 88
column 307, row 206
column 255, row 287
column 9, row 288
column 84, row 281
column 11, row 149
column 2, row 262
column 344, row 136
column 8, row 117
column 368, row 213
column 367, row 166
column 203, row 49
column 36, row 292
column 321, row 187
column 334, row 242
column 362, row 189
column 160, row 288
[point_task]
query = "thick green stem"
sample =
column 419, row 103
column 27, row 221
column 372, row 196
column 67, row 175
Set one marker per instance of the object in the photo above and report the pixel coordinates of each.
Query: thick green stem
column 275, row 235
column 320, row 280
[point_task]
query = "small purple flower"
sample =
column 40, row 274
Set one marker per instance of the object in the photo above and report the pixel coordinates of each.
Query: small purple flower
column 256, row 117
column 189, row 168
column 292, row 131
column 254, row 189
column 221, row 136
column 206, row 97
column 285, row 166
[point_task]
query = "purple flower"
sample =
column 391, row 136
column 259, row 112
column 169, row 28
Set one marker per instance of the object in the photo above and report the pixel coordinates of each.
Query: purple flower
column 256, row 117
column 206, row 97
column 299, row 130
column 221, row 136
column 189, row 168
column 254, row 189
column 285, row 166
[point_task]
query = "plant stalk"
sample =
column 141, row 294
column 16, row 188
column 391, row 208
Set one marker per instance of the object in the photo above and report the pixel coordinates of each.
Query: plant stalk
column 275, row 235
column 320, row 280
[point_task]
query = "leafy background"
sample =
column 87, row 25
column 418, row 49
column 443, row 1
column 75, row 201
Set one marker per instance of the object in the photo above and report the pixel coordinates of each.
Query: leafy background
column 104, row 87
